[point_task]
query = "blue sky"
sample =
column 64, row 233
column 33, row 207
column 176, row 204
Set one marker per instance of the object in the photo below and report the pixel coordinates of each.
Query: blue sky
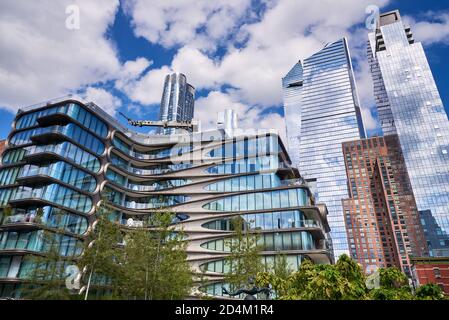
column 234, row 52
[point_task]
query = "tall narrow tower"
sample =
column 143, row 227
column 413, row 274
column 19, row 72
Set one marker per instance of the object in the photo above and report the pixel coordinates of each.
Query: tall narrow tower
column 178, row 100
column 322, row 110
column 409, row 103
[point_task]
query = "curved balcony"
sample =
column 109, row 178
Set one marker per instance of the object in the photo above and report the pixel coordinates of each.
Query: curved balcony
column 65, row 150
column 152, row 202
column 70, row 132
column 273, row 241
column 222, row 266
column 35, row 241
column 157, row 154
column 58, row 114
column 60, row 171
column 277, row 199
column 48, row 217
column 157, row 169
column 53, row 193
column 139, row 222
column 269, row 221
column 160, row 185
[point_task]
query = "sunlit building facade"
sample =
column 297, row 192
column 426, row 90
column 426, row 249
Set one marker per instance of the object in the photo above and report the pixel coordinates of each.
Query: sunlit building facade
column 61, row 157
column 409, row 104
column 322, row 111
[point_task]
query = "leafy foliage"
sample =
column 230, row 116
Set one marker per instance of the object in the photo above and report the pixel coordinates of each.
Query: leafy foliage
column 156, row 262
column 244, row 255
column 101, row 255
column 430, row 291
column 45, row 281
column 344, row 281
column 151, row 264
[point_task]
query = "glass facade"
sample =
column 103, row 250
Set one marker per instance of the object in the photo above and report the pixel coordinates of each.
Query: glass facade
column 266, row 221
column 157, row 169
column 35, row 241
column 419, row 118
column 69, row 151
column 322, row 111
column 249, row 147
column 261, row 200
column 253, row 182
column 72, row 131
column 55, row 193
column 178, row 100
column 223, row 266
column 153, row 154
column 51, row 217
column 281, row 241
column 64, row 172
column 56, row 169
column 73, row 110
column 246, row 165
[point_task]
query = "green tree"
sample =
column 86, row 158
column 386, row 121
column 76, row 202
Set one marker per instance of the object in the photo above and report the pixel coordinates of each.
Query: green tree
column 393, row 286
column 342, row 281
column 430, row 291
column 6, row 211
column 155, row 261
column 244, row 255
column 46, row 278
column 353, row 273
column 101, row 255
column 278, row 277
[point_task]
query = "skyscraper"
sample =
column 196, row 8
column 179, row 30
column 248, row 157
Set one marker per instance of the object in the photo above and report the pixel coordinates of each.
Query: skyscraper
column 409, row 103
column 382, row 221
column 178, row 100
column 322, row 110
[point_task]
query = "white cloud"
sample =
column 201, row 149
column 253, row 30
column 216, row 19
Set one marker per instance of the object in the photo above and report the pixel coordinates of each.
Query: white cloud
column 286, row 32
column 433, row 31
column 104, row 99
column 148, row 89
column 178, row 22
column 132, row 70
column 40, row 58
column 207, row 108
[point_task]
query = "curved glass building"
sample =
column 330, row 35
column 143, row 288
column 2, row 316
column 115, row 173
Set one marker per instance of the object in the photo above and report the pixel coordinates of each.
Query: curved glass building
column 61, row 157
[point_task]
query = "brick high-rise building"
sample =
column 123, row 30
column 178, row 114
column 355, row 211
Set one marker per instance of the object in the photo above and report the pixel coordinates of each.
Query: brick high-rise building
column 382, row 220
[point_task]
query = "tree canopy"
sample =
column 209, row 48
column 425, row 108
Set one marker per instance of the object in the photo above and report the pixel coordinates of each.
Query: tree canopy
column 345, row 281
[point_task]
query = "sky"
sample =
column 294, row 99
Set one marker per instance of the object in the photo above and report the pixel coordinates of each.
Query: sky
column 234, row 52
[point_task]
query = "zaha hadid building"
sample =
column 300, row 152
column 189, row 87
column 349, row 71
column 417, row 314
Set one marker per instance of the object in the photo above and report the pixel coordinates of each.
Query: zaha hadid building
column 60, row 157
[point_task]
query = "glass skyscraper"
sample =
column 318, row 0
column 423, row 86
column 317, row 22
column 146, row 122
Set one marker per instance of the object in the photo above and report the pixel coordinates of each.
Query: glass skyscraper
column 322, row 111
column 409, row 103
column 178, row 100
